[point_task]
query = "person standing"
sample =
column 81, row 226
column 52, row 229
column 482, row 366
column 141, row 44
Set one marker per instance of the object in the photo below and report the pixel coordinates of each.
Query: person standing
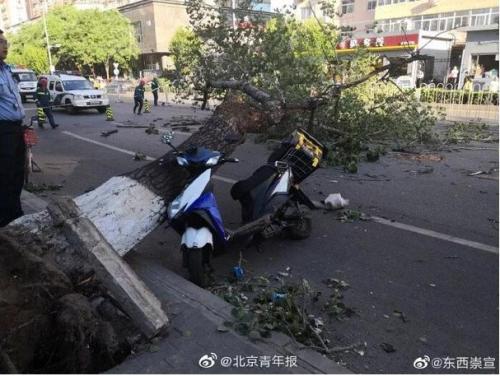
column 454, row 76
column 155, row 88
column 139, row 97
column 43, row 101
column 12, row 147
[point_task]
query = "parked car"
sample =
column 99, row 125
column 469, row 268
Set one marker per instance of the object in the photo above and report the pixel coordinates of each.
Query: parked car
column 26, row 81
column 75, row 93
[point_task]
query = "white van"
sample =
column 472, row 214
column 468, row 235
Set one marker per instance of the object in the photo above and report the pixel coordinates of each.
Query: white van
column 75, row 93
column 26, row 81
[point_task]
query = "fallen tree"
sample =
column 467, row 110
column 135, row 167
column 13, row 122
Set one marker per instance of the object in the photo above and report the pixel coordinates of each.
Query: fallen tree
column 123, row 210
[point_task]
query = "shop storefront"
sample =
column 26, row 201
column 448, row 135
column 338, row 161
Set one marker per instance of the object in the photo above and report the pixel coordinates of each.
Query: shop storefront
column 480, row 57
column 390, row 45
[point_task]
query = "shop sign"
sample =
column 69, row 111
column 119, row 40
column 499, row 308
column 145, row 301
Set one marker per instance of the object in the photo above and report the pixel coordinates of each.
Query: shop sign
column 380, row 41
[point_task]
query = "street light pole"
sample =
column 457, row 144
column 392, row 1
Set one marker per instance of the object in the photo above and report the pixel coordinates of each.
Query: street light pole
column 45, row 10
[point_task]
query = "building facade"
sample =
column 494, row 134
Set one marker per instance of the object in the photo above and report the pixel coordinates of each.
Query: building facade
column 12, row 13
column 153, row 34
column 480, row 57
column 354, row 16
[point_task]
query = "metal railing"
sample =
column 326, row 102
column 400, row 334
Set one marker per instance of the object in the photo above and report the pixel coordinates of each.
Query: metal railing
column 471, row 105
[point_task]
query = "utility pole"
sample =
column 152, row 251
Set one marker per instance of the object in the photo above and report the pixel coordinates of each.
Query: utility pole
column 45, row 10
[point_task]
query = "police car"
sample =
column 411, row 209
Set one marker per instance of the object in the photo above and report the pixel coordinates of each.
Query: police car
column 75, row 93
column 26, row 82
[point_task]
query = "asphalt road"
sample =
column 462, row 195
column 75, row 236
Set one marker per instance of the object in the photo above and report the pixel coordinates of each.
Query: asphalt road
column 446, row 286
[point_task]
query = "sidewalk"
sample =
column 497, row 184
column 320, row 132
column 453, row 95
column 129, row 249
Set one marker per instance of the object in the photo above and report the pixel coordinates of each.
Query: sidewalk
column 32, row 203
column 196, row 329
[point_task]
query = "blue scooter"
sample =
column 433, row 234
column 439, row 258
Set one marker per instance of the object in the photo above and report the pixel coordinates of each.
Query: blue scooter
column 271, row 200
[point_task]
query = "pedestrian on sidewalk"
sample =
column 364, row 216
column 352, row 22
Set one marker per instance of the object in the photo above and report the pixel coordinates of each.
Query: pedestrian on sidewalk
column 43, row 101
column 12, row 147
column 155, row 88
column 139, row 97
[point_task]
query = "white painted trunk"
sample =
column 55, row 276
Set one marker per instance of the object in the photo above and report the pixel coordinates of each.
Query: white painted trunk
column 123, row 210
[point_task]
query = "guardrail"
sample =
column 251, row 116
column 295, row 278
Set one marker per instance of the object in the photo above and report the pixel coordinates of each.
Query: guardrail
column 442, row 95
column 461, row 105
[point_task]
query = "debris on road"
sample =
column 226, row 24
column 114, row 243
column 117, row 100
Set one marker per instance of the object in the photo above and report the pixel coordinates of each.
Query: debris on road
column 460, row 133
column 335, row 201
column 387, row 347
column 107, row 133
column 348, row 215
column 482, row 172
column 420, row 157
column 401, row 315
column 287, row 306
column 37, row 188
column 425, row 170
column 423, row 339
column 139, row 156
column 152, row 130
column 131, row 126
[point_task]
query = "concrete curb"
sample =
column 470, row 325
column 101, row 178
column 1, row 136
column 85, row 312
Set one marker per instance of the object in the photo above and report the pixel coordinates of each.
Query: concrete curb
column 171, row 288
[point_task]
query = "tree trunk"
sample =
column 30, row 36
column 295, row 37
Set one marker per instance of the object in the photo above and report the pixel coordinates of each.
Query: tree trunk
column 127, row 208
column 106, row 67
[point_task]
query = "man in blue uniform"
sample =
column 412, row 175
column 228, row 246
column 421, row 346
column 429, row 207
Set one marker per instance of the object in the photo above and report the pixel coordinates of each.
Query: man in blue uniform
column 12, row 147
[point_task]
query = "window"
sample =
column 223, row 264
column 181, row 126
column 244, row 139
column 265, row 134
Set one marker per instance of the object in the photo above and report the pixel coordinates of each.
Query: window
column 417, row 23
column 59, row 86
column 449, row 23
column 347, row 6
column 138, row 31
column 372, row 4
column 479, row 17
column 305, row 13
column 51, row 86
column 77, row 85
column 494, row 16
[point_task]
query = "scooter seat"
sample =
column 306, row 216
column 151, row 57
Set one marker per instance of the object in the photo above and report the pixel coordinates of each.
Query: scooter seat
column 244, row 187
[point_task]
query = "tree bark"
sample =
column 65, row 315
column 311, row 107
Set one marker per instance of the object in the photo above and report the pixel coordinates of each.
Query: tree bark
column 106, row 67
column 128, row 207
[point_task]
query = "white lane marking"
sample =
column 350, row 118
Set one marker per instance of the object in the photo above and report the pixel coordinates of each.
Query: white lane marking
column 104, row 145
column 437, row 235
column 225, row 180
column 401, row 226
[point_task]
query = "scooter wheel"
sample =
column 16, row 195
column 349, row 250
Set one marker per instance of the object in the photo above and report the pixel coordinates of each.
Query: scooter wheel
column 197, row 268
column 301, row 228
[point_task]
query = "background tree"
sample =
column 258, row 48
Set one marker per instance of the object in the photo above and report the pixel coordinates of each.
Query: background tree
column 85, row 39
column 290, row 71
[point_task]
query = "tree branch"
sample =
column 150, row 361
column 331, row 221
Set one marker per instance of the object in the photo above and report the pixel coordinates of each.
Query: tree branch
column 310, row 103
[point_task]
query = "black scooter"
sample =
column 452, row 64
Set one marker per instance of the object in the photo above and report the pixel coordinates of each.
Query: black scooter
column 271, row 200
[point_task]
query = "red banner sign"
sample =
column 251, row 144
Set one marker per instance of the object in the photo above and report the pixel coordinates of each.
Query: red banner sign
column 380, row 41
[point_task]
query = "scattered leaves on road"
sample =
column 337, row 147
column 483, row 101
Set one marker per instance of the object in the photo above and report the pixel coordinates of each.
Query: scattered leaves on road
column 277, row 302
column 462, row 133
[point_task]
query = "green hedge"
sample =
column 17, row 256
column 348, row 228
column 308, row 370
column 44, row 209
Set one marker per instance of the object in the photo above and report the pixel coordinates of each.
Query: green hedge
column 443, row 96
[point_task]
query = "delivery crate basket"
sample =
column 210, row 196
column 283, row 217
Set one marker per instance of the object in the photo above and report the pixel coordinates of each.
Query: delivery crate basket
column 304, row 155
